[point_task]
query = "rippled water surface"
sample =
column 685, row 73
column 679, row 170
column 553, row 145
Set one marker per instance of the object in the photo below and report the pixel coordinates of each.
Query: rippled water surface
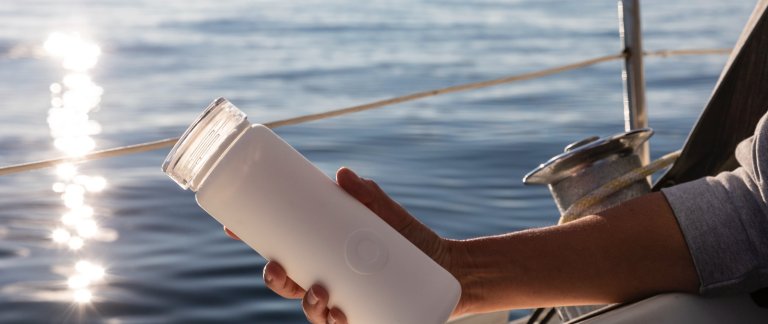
column 116, row 241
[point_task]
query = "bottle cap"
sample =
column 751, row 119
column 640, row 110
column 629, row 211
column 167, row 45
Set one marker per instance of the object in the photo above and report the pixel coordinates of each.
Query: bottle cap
column 199, row 148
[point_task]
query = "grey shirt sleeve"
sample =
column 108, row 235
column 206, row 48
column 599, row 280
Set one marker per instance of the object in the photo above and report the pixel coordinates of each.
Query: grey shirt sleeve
column 724, row 220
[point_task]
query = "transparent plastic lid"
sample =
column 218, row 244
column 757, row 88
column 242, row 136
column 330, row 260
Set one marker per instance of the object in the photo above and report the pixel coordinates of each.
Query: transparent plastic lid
column 199, row 148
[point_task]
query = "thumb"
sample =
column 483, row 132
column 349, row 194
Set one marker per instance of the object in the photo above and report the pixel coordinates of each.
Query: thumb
column 369, row 193
column 372, row 196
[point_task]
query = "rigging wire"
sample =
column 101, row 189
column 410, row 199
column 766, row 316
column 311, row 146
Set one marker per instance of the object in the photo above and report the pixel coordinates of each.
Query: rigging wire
column 159, row 144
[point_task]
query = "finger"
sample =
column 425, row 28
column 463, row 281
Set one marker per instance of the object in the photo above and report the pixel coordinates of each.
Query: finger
column 315, row 305
column 372, row 196
column 277, row 280
column 354, row 185
column 336, row 316
column 230, row 233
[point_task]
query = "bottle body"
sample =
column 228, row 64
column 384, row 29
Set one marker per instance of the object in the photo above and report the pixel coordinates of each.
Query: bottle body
column 287, row 210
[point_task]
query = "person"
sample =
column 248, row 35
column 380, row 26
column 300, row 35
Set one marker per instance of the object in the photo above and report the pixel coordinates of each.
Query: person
column 706, row 236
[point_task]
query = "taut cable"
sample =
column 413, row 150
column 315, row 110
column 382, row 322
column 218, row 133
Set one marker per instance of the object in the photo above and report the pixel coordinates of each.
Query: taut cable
column 155, row 145
column 682, row 52
column 149, row 146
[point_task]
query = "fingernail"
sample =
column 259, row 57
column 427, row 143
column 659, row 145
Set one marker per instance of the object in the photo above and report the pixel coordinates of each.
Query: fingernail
column 311, row 297
column 268, row 277
column 331, row 320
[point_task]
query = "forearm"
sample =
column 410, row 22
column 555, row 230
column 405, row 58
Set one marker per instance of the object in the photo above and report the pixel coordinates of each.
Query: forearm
column 628, row 252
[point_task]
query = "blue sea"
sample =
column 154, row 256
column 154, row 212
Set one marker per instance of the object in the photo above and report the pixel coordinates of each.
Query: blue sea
column 116, row 241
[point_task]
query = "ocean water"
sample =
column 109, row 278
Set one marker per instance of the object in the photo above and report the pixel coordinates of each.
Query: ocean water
column 116, row 241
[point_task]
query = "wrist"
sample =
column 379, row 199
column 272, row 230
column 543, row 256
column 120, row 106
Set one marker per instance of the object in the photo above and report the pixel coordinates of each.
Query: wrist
column 461, row 265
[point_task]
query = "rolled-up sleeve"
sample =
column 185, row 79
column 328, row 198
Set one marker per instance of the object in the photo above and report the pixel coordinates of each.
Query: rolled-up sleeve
column 724, row 220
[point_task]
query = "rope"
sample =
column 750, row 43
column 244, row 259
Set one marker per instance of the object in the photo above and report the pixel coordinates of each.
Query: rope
column 144, row 147
column 452, row 89
column 708, row 51
column 103, row 154
column 577, row 209
column 155, row 145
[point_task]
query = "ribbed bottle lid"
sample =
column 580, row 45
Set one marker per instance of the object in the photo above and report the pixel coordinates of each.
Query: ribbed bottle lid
column 198, row 149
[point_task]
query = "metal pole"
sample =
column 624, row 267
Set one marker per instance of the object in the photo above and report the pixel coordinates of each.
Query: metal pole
column 635, row 113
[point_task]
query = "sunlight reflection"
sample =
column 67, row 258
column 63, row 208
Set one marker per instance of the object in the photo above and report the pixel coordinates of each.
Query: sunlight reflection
column 82, row 296
column 58, row 187
column 60, row 236
column 89, row 270
column 77, row 282
column 75, row 53
column 75, row 243
column 86, row 274
column 91, row 183
column 66, row 170
column 73, row 98
column 87, row 228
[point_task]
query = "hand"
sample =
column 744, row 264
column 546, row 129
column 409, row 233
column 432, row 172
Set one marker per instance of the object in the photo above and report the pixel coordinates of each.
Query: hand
column 315, row 301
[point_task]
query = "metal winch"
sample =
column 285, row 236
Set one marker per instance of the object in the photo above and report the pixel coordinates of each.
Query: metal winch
column 589, row 164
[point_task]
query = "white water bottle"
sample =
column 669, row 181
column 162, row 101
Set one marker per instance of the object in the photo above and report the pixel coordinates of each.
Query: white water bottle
column 286, row 209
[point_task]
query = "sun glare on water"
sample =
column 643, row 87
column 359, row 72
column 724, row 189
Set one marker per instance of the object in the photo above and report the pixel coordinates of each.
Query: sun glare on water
column 73, row 98
column 86, row 274
column 75, row 52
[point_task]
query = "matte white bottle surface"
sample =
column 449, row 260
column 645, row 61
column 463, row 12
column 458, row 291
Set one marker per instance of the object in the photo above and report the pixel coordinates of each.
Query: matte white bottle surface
column 286, row 209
